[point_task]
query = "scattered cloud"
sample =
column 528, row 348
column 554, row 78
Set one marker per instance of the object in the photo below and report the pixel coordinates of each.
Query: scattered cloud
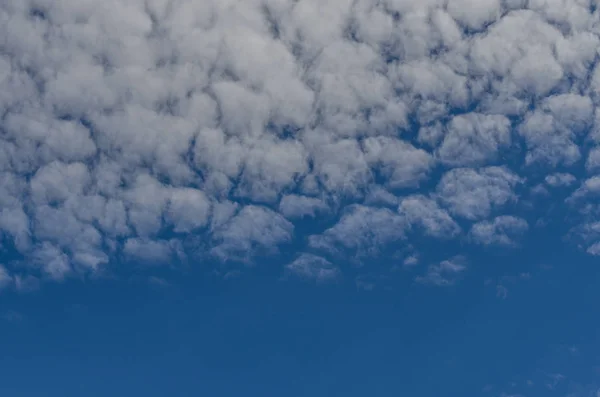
column 474, row 194
column 150, row 132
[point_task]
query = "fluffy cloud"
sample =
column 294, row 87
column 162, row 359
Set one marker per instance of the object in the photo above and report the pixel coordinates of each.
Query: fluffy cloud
column 362, row 229
column 295, row 206
column 552, row 129
column 150, row 130
column 399, row 163
column 473, row 194
column 474, row 139
column 252, row 229
column 427, row 215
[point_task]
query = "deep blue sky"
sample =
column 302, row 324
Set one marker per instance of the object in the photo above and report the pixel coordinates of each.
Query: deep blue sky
column 255, row 335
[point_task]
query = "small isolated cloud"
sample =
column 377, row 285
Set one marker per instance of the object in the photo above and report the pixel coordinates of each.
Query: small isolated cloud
column 503, row 230
column 411, row 261
column 313, row 267
column 445, row 273
column 560, row 179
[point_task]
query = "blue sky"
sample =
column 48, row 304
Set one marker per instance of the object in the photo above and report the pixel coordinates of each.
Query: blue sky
column 300, row 198
column 254, row 335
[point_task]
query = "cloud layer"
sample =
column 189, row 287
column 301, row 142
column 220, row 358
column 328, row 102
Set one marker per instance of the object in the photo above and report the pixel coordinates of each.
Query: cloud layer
column 160, row 130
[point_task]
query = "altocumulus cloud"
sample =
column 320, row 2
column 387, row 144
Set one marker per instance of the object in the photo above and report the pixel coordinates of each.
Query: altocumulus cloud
column 169, row 130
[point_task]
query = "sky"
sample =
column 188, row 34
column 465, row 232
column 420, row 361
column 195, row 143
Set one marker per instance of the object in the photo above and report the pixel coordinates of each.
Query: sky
column 299, row 198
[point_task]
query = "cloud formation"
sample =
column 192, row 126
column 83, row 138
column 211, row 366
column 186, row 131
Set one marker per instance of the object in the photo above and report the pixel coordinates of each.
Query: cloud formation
column 159, row 130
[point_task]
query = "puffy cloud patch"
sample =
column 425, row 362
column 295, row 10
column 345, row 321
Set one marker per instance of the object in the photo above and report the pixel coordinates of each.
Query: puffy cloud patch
column 474, row 194
column 294, row 206
column 188, row 209
column 151, row 252
column 551, row 130
column 474, row 139
column 427, row 215
column 362, row 229
column 252, row 229
column 401, row 164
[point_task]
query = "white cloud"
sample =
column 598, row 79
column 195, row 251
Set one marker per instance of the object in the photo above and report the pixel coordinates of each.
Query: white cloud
column 313, row 267
column 445, row 273
column 551, row 130
column 379, row 196
column 153, row 252
column 518, row 49
column 594, row 249
column 294, row 206
column 364, row 229
column 340, row 166
column 252, row 229
column 474, row 139
column 502, row 230
column 427, row 215
column 560, row 179
column 400, row 163
column 474, row 14
column 473, row 194
column 592, row 163
column 188, row 209
column 127, row 121
column 589, row 188
column 410, row 261
column 54, row 262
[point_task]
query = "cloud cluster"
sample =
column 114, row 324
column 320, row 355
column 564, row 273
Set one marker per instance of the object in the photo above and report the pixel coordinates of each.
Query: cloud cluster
column 159, row 130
